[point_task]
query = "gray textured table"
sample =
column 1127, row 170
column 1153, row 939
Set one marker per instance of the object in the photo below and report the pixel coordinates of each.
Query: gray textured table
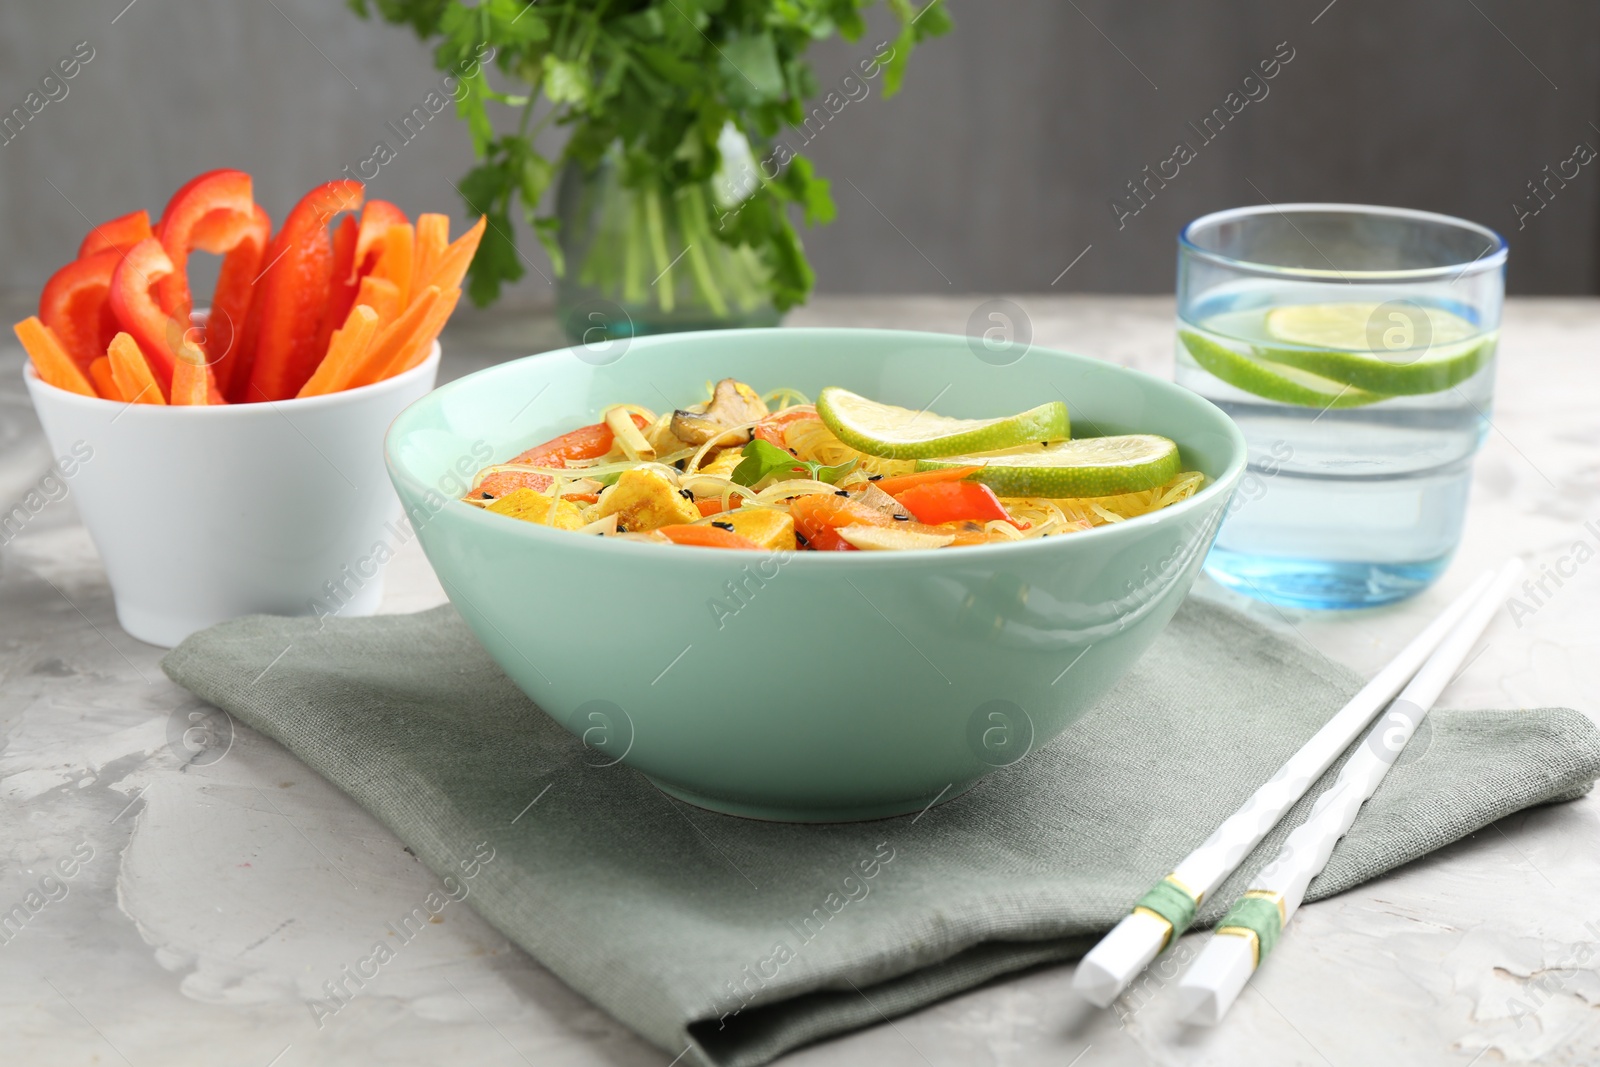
column 211, row 898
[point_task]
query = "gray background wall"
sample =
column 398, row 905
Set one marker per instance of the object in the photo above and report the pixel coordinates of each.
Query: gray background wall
column 991, row 172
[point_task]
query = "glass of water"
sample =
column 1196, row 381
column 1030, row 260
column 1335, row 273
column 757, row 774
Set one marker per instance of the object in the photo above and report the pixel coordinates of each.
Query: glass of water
column 1355, row 347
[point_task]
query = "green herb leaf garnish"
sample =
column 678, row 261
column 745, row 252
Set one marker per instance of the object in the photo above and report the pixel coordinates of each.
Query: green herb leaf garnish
column 764, row 460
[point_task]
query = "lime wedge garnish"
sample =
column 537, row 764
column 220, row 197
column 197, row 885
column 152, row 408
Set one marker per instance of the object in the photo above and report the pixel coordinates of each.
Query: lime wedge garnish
column 1395, row 352
column 1088, row 466
column 1284, row 383
column 900, row 433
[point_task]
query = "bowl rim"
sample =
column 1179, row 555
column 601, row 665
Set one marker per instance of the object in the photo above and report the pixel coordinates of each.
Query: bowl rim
column 58, row 395
column 1223, row 484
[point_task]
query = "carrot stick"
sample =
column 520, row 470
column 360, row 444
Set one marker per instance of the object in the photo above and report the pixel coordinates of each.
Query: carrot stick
column 345, row 349
column 381, row 296
column 132, row 374
column 433, row 236
column 705, row 537
column 104, row 383
column 392, row 339
column 417, row 347
column 397, row 260
column 192, row 383
column 903, row 482
column 452, row 266
column 50, row 359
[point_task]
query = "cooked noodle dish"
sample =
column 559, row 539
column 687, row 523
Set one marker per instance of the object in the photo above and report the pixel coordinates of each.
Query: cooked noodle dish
column 744, row 470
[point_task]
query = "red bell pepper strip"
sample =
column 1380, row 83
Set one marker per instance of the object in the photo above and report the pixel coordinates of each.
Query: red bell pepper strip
column 586, row 442
column 376, row 218
column 818, row 519
column 940, row 502
column 120, row 233
column 705, row 537
column 134, row 304
column 294, row 292
column 500, row 483
column 212, row 212
column 74, row 306
column 227, row 338
column 772, row 428
column 343, row 283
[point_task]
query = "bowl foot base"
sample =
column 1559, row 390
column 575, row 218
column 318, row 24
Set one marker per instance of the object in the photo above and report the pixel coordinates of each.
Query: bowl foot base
column 772, row 813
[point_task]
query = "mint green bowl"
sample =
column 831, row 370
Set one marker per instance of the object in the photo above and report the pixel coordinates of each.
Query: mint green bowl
column 810, row 686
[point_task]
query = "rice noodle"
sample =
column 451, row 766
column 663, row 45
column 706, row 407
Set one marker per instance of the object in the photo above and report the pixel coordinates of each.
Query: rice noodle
column 786, row 398
column 812, row 441
column 1086, row 512
column 794, row 487
column 724, row 488
column 694, row 464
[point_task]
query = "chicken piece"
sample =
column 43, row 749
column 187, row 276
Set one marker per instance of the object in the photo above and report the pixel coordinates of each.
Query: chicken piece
column 767, row 527
column 645, row 499
column 529, row 505
column 733, row 403
column 722, row 463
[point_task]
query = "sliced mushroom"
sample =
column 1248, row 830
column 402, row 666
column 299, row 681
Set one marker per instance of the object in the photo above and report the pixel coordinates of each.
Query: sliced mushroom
column 733, row 403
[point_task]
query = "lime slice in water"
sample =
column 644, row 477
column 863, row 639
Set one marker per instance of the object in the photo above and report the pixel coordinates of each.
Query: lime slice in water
column 1284, row 383
column 900, row 433
column 1088, row 466
column 1398, row 349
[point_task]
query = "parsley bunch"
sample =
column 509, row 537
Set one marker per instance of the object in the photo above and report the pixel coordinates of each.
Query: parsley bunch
column 655, row 82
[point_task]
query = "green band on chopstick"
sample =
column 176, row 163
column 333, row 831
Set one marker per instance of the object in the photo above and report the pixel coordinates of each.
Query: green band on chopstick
column 1170, row 901
column 1258, row 917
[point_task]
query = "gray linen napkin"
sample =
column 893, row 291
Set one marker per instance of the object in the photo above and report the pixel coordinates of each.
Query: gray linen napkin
column 733, row 940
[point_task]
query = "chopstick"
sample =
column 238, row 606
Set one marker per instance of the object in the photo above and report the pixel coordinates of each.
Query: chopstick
column 1166, row 911
column 1251, row 928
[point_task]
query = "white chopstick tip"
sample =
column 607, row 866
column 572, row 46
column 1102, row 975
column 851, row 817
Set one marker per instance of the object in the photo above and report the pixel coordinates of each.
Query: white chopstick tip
column 1509, row 573
column 1215, row 981
column 1198, row 1006
column 1096, row 984
column 1108, row 968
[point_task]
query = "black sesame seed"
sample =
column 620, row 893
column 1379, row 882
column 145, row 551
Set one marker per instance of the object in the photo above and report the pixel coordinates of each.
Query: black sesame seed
column 792, row 452
column 902, row 518
column 841, row 492
column 723, row 525
column 874, row 477
column 487, row 496
column 685, row 494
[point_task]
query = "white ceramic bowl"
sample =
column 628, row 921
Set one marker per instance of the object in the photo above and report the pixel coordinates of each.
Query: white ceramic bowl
column 203, row 514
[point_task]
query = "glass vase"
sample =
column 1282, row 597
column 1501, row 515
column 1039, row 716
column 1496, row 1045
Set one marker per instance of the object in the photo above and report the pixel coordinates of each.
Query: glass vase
column 643, row 260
